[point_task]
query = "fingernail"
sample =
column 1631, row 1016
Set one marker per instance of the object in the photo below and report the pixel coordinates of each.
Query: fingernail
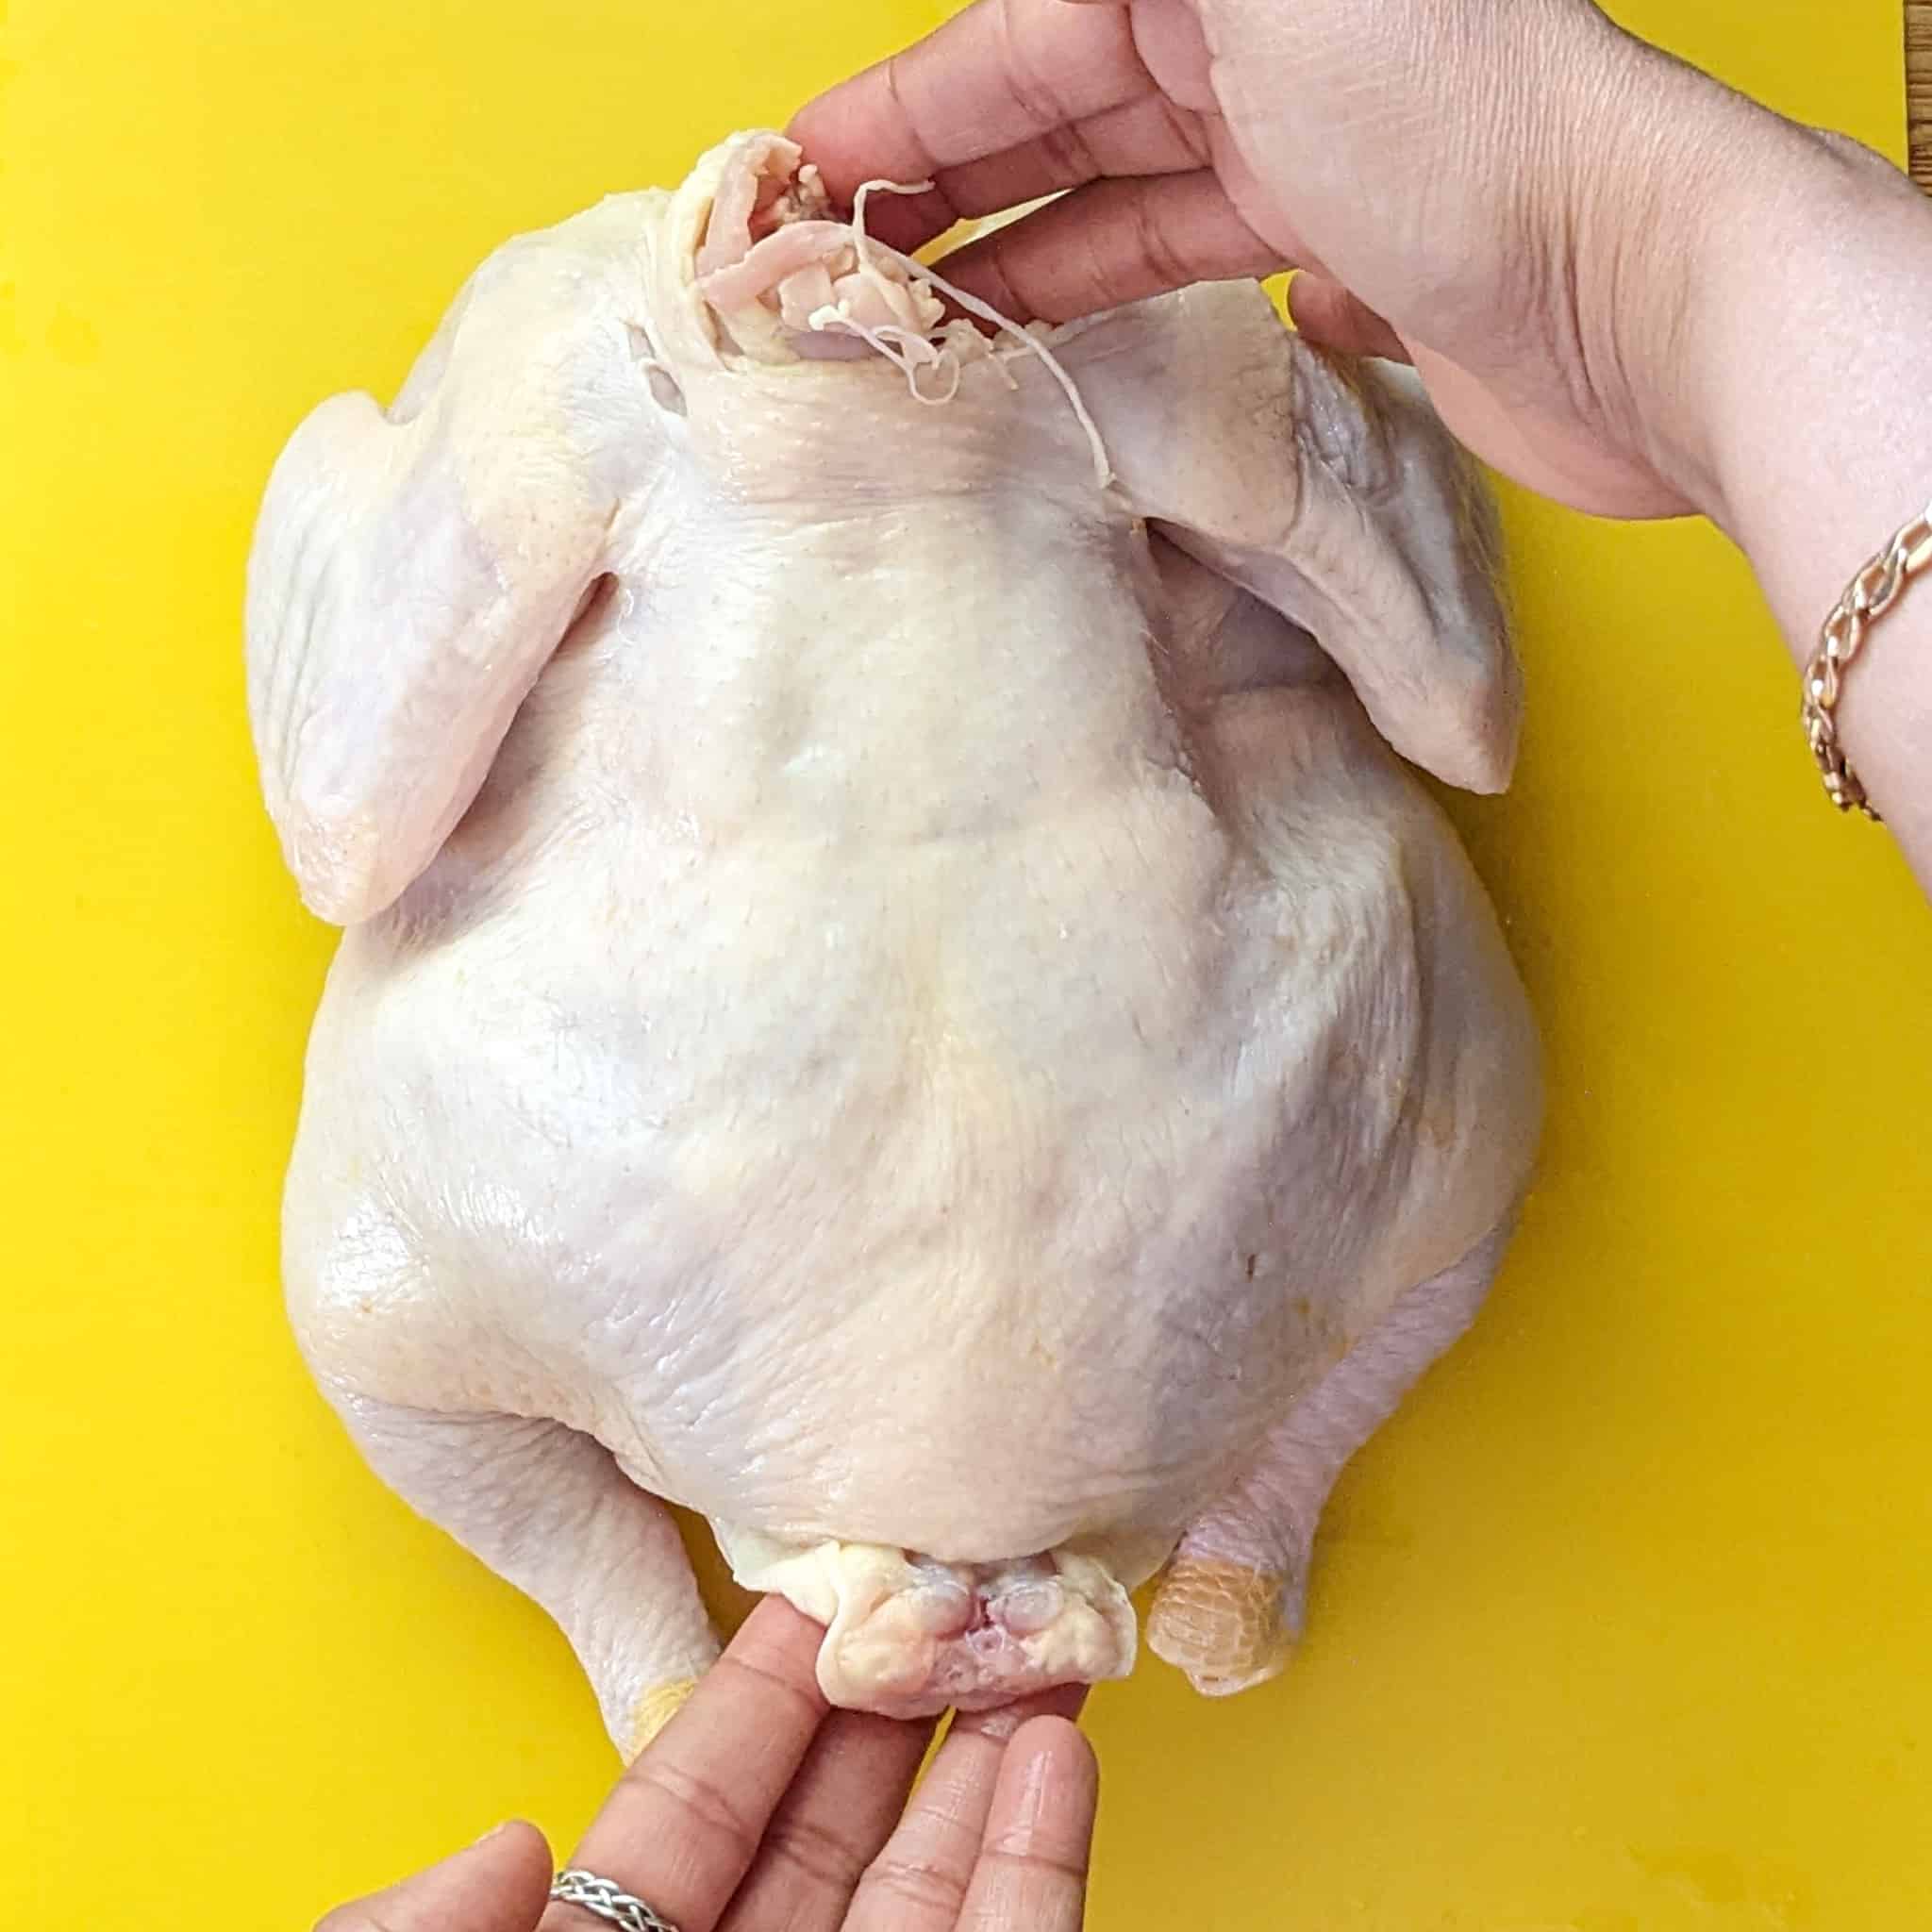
column 496, row 1831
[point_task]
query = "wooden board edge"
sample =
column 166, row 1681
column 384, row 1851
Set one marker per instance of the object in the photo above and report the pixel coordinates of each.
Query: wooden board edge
column 1919, row 89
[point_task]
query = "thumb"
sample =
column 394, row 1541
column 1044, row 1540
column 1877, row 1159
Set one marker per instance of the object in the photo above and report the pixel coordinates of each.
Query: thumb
column 500, row 1884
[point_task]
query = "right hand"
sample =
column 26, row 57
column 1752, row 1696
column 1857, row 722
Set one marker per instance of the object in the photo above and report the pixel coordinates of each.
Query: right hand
column 1512, row 193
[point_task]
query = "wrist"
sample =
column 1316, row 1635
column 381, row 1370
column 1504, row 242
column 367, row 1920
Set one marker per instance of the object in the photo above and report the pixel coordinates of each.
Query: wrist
column 1806, row 360
column 1669, row 172
column 1800, row 370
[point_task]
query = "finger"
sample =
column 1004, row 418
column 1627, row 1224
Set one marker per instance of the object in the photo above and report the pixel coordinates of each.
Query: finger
column 498, row 1885
column 998, row 74
column 1032, row 1869
column 830, row 1824
column 1112, row 242
column 1327, row 313
column 684, row 1823
column 918, row 1883
column 1148, row 136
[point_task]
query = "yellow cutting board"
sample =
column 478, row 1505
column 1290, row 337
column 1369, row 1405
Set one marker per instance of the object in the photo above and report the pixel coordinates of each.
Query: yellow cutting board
column 1623, row 1626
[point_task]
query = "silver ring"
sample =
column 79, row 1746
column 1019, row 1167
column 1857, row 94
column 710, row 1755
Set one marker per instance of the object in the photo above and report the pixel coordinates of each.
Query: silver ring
column 604, row 1900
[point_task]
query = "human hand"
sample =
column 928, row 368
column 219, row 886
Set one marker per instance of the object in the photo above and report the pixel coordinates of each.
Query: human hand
column 756, row 1807
column 1623, row 285
column 1514, row 193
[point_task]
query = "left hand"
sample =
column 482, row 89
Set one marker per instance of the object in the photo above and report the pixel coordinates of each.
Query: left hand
column 760, row 1807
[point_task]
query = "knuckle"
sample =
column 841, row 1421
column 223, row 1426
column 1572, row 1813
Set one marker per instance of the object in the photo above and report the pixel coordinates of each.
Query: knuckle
column 1186, row 132
column 903, row 108
column 704, row 1807
column 919, row 1886
column 1034, row 1862
column 1002, row 282
column 1098, row 275
column 1156, row 246
column 1037, row 98
column 788, row 1689
column 818, row 1853
column 1070, row 156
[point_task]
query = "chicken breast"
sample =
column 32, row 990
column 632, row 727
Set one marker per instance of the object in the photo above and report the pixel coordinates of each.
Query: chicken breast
column 897, row 992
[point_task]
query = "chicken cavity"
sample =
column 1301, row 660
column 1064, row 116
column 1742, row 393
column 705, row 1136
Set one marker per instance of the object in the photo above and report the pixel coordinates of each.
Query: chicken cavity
column 774, row 251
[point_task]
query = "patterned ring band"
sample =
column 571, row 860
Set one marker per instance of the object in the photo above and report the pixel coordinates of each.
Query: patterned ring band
column 604, row 1900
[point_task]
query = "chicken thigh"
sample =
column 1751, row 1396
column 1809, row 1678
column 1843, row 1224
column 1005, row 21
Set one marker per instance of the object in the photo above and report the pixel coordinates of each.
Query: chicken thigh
column 897, row 994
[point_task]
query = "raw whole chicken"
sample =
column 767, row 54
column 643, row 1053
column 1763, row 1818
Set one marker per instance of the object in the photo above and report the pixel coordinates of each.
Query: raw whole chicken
column 896, row 993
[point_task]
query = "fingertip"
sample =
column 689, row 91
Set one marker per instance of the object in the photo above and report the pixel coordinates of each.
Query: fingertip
column 1326, row 314
column 858, row 131
column 1053, row 1736
column 514, row 1860
column 777, row 1642
column 1050, row 1783
column 778, row 1622
column 499, row 1884
column 1069, row 1702
column 1038, row 1840
column 1005, row 1722
column 823, row 138
column 515, row 1839
column 778, row 1616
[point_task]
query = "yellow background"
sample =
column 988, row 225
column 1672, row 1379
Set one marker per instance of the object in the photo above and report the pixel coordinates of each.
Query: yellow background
column 1623, row 1624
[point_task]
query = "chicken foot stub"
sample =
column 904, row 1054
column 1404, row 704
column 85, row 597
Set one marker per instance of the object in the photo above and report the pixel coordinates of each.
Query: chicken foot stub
column 910, row 1636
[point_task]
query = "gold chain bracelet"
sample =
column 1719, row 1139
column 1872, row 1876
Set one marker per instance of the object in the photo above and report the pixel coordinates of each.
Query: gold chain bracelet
column 1871, row 594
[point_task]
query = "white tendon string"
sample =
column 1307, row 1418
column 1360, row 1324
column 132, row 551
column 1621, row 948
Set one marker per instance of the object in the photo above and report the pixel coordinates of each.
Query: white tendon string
column 892, row 338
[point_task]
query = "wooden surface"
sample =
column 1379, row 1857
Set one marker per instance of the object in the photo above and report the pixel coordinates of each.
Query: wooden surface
column 1919, row 88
